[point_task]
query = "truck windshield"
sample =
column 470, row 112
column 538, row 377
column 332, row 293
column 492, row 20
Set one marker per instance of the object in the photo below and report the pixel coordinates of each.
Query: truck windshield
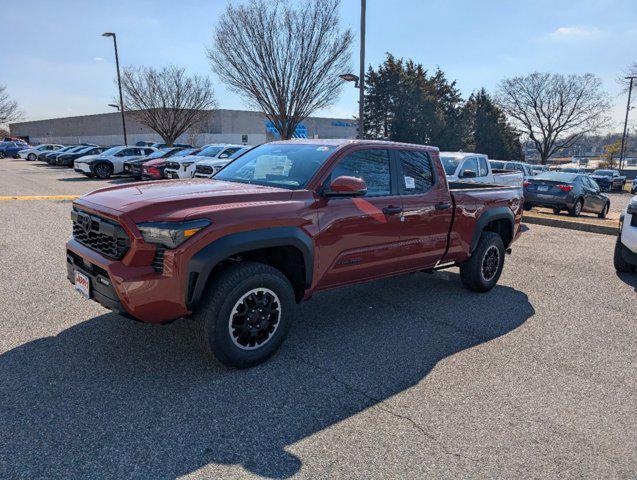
column 450, row 164
column 277, row 165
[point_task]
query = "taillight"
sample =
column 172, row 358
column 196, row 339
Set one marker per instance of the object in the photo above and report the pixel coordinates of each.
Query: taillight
column 565, row 188
column 526, row 183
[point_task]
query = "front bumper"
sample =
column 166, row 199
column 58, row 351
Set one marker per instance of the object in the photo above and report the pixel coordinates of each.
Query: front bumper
column 83, row 168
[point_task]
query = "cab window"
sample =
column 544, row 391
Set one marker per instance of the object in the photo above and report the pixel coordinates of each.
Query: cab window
column 372, row 165
column 417, row 173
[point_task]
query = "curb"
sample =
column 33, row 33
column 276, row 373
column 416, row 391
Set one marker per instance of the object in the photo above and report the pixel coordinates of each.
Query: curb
column 572, row 225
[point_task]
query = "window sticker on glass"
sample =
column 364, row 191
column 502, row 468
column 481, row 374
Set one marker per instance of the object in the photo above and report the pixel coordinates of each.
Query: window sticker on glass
column 410, row 182
column 323, row 149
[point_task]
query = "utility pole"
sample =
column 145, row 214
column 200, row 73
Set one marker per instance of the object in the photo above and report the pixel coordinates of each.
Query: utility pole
column 361, row 77
column 630, row 90
column 119, row 83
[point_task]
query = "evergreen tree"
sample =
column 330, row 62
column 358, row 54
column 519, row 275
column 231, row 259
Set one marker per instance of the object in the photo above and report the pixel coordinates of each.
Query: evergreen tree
column 486, row 129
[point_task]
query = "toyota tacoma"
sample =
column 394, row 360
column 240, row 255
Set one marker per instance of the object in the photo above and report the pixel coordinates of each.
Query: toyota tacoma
column 282, row 222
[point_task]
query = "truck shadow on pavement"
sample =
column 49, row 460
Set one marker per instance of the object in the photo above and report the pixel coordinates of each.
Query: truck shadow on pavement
column 113, row 398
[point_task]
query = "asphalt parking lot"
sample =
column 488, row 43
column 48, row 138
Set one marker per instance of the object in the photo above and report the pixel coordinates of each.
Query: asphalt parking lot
column 412, row 377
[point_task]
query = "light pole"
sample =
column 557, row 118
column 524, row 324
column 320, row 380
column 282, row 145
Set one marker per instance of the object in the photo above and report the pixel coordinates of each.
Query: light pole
column 114, row 105
column 630, row 90
column 119, row 83
column 359, row 81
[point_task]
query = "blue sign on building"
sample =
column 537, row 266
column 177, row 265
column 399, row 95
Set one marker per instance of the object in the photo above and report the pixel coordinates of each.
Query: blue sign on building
column 299, row 132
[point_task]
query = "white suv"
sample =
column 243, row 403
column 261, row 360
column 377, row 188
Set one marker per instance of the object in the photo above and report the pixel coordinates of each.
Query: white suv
column 184, row 167
column 207, row 168
column 109, row 162
column 625, row 258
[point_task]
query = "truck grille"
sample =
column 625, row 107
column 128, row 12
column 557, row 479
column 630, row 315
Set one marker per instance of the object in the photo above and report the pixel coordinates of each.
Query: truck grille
column 100, row 234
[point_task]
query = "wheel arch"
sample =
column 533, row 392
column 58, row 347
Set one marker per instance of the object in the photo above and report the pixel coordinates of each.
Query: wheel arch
column 288, row 249
column 499, row 220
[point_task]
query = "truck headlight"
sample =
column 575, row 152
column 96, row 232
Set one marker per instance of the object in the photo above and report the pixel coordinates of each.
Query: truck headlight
column 171, row 234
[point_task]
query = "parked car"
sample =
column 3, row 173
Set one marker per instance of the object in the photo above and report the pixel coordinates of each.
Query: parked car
column 609, row 180
column 10, row 149
column 154, row 169
column 165, row 145
column 33, row 152
column 42, row 157
column 110, row 162
column 52, row 157
column 67, row 159
column 207, row 168
column 633, row 187
column 522, row 167
column 184, row 167
column 133, row 167
column 475, row 168
column 574, row 192
column 625, row 257
column 238, row 251
column 573, row 170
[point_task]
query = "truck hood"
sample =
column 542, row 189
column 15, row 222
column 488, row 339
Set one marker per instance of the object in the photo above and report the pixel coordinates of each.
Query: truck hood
column 179, row 199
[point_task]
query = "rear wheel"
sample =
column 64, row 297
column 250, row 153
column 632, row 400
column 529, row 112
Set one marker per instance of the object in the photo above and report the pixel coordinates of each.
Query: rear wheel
column 621, row 265
column 557, row 211
column 576, row 211
column 103, row 170
column 247, row 314
column 481, row 272
column 604, row 211
column 2, row 155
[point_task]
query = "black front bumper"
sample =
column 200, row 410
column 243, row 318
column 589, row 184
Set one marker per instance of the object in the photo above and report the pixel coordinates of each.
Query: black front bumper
column 102, row 290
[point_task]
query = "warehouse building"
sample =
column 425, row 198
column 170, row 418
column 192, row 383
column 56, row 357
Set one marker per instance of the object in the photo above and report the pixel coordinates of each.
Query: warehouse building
column 221, row 126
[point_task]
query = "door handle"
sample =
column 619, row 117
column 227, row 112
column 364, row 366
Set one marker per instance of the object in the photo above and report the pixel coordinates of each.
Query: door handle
column 442, row 206
column 392, row 210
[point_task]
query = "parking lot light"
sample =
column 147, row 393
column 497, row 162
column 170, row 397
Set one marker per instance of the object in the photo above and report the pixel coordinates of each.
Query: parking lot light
column 119, row 83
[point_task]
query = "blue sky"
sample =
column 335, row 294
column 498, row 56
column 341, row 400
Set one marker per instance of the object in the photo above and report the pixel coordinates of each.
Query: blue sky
column 55, row 62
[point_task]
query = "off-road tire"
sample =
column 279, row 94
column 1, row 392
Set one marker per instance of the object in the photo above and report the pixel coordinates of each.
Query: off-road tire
column 214, row 313
column 620, row 264
column 471, row 271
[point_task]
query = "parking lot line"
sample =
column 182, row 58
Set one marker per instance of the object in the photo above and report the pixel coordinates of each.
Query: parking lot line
column 39, row 197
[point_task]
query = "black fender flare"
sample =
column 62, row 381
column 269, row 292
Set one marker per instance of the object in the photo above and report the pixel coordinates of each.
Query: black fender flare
column 489, row 216
column 202, row 263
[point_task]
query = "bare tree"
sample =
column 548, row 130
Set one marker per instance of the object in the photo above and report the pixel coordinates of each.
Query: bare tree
column 9, row 110
column 168, row 100
column 285, row 61
column 554, row 110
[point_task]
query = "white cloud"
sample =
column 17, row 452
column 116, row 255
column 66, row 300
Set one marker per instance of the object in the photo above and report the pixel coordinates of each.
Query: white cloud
column 574, row 33
column 98, row 59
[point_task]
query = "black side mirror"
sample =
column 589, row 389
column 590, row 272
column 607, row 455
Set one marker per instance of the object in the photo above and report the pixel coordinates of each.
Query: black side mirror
column 468, row 174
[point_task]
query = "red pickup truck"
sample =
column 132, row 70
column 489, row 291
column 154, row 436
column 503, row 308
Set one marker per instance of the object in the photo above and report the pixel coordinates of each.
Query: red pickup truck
column 283, row 221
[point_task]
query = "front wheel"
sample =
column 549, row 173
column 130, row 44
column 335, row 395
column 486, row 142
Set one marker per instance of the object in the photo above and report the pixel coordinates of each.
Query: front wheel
column 103, row 170
column 247, row 314
column 482, row 271
column 2, row 155
column 31, row 156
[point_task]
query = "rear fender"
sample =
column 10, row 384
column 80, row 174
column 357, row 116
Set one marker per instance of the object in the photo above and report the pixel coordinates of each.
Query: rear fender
column 498, row 213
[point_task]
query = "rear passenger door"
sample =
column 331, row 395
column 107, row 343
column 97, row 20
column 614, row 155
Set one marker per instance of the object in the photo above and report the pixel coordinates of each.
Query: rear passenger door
column 427, row 210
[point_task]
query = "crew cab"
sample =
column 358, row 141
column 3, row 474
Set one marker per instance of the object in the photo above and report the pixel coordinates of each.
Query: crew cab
column 282, row 222
column 184, row 167
column 609, row 180
column 109, row 162
column 475, row 168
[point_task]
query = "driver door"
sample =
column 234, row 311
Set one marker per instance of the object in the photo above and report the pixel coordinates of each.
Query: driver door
column 359, row 238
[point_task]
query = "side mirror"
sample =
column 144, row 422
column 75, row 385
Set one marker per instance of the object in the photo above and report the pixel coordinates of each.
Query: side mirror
column 468, row 174
column 346, row 187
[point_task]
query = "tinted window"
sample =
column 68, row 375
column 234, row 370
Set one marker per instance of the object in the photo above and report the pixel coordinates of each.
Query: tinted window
column 211, row 151
column 279, row 165
column 497, row 164
column 370, row 165
column 470, row 164
column 482, row 165
column 416, row 170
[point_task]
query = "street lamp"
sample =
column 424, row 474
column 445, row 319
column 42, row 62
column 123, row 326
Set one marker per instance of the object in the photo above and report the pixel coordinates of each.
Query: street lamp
column 119, row 83
column 359, row 81
column 114, row 105
column 630, row 78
